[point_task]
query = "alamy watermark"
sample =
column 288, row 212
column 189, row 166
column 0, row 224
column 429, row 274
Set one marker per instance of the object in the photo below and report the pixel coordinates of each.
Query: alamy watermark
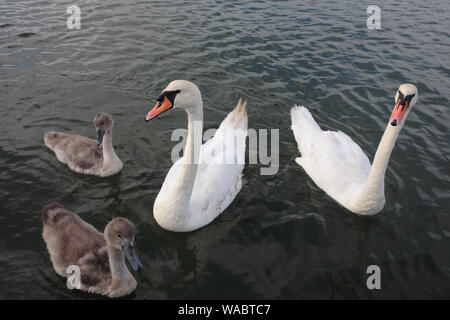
column 374, row 20
column 74, row 278
column 74, row 20
column 230, row 147
column 374, row 280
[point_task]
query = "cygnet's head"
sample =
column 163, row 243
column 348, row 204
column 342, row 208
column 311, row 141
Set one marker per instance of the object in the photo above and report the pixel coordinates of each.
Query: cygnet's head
column 119, row 234
column 103, row 124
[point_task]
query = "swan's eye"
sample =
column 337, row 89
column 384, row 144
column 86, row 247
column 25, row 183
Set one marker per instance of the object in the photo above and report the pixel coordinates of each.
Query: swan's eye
column 400, row 98
column 120, row 236
column 407, row 101
column 170, row 95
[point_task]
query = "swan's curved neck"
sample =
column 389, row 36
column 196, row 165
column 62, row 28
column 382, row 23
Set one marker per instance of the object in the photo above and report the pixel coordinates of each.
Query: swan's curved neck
column 373, row 191
column 191, row 152
column 109, row 156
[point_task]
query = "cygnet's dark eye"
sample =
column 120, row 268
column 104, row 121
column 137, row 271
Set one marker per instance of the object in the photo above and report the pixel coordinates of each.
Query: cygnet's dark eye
column 120, row 236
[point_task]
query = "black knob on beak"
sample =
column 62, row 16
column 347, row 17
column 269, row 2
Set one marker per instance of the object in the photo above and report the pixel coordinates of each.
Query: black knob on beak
column 394, row 122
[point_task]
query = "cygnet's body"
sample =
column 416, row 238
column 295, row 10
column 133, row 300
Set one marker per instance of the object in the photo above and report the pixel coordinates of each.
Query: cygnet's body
column 99, row 257
column 85, row 155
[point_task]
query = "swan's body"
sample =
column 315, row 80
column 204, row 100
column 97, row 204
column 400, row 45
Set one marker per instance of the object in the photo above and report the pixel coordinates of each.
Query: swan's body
column 195, row 192
column 340, row 167
column 84, row 155
column 100, row 257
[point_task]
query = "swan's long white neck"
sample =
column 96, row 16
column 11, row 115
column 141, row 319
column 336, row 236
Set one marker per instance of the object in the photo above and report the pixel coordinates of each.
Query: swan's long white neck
column 192, row 152
column 372, row 195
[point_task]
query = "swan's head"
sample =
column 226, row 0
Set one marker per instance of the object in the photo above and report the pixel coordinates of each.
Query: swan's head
column 405, row 99
column 103, row 123
column 119, row 234
column 178, row 94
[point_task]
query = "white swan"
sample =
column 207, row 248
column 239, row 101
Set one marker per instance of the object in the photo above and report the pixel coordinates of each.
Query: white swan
column 195, row 191
column 339, row 166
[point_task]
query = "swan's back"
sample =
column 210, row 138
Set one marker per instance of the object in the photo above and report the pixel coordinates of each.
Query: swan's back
column 331, row 158
column 218, row 182
column 80, row 153
column 68, row 237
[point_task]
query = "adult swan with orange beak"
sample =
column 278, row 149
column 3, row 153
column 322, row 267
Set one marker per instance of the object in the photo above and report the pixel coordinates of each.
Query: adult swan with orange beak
column 201, row 184
column 339, row 166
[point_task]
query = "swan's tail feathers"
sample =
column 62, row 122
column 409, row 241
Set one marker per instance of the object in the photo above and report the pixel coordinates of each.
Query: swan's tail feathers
column 239, row 114
column 52, row 212
column 237, row 119
column 304, row 126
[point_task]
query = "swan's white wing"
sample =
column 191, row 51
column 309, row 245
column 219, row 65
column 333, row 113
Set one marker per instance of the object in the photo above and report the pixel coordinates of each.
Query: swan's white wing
column 219, row 178
column 217, row 182
column 331, row 158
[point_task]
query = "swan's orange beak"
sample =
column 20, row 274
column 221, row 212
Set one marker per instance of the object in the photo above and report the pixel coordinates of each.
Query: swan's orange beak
column 159, row 108
column 399, row 111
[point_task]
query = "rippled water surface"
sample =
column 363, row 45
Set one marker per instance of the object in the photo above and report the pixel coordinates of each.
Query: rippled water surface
column 282, row 237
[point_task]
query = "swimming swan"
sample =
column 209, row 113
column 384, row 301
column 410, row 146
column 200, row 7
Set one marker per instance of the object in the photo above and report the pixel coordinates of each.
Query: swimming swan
column 99, row 256
column 194, row 194
column 339, row 166
column 86, row 155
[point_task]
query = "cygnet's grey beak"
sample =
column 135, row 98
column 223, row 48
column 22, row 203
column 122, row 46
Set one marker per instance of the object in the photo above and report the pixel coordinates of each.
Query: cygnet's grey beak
column 130, row 253
column 100, row 134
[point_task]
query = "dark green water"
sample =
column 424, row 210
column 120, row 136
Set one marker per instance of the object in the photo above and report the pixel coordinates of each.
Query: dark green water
column 282, row 237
